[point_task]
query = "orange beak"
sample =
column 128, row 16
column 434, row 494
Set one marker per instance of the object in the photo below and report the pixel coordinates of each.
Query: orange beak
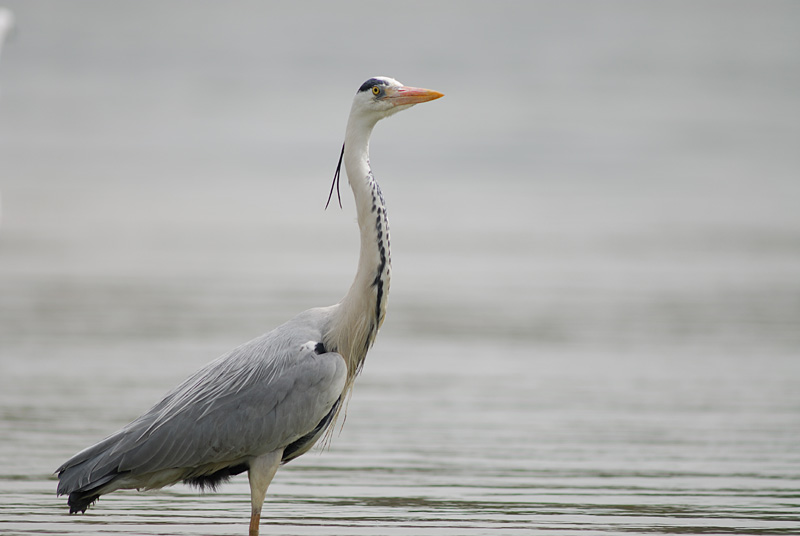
column 411, row 95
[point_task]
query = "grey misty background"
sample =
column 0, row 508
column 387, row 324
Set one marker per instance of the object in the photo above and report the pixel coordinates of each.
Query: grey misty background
column 616, row 173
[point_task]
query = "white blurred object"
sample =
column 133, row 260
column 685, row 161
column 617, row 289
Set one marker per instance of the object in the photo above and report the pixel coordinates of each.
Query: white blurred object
column 6, row 24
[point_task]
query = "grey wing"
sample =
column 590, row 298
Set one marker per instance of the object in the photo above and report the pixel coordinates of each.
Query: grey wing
column 240, row 406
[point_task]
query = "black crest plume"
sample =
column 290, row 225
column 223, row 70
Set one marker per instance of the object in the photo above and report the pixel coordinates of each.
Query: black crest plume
column 336, row 181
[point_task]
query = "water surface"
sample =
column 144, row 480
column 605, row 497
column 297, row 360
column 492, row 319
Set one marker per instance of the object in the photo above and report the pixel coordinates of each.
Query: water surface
column 594, row 324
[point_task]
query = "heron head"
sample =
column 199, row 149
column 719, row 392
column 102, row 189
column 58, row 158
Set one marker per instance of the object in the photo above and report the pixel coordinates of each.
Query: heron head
column 377, row 98
column 382, row 96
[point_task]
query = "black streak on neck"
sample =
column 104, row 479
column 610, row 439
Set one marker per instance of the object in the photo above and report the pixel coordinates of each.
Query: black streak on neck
column 379, row 208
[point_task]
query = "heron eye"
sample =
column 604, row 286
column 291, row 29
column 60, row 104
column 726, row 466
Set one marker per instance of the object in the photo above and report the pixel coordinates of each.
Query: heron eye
column 376, row 90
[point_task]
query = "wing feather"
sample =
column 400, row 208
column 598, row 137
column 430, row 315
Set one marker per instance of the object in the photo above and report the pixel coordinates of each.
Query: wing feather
column 259, row 397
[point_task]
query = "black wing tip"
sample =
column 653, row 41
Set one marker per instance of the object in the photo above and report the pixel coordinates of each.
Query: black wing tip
column 80, row 501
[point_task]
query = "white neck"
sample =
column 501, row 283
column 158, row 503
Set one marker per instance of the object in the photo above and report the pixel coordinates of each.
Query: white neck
column 361, row 312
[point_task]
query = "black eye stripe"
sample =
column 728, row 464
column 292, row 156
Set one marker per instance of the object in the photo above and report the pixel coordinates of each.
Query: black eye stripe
column 372, row 82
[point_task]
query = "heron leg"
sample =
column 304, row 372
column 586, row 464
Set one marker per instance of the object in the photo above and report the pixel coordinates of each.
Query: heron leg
column 261, row 472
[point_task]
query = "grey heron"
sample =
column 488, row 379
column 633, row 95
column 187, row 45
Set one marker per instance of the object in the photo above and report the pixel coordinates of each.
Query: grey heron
column 269, row 400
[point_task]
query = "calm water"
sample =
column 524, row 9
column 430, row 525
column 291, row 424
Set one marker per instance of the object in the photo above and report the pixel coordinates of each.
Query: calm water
column 594, row 324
